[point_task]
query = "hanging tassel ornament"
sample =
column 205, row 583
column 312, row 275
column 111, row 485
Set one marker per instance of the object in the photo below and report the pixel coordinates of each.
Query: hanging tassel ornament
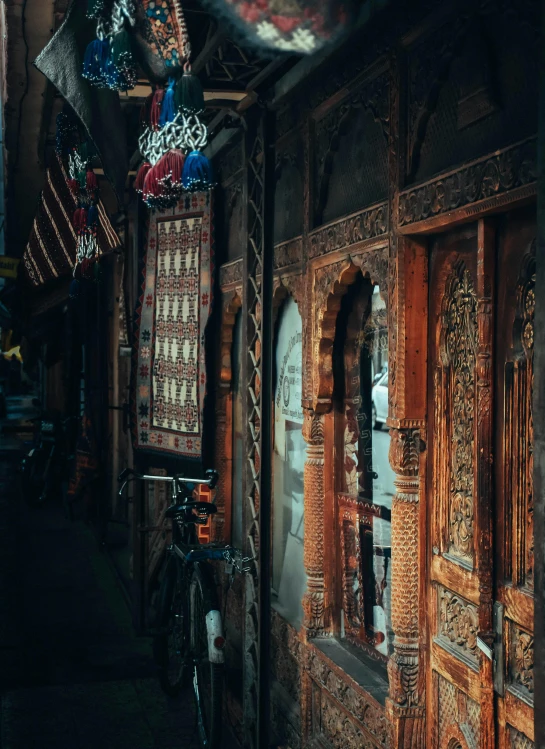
column 168, row 106
column 73, row 184
column 121, row 68
column 95, row 62
column 91, row 182
column 197, row 174
column 189, row 93
column 141, row 176
column 169, row 169
column 155, row 110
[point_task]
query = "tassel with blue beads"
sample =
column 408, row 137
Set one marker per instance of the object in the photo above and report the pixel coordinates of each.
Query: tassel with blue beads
column 197, row 173
column 168, row 104
column 95, row 62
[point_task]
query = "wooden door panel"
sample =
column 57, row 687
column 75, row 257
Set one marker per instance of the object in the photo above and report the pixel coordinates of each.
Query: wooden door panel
column 454, row 597
column 513, row 476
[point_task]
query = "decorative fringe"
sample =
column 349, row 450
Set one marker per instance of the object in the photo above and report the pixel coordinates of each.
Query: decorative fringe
column 189, row 94
column 141, row 176
column 169, row 168
column 82, row 179
column 95, row 62
column 168, row 106
column 91, row 182
column 73, row 184
column 152, row 187
column 155, row 112
column 80, row 220
column 197, row 174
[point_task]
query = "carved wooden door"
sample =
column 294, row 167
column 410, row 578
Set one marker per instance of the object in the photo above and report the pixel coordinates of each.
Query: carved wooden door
column 513, row 448
column 480, row 444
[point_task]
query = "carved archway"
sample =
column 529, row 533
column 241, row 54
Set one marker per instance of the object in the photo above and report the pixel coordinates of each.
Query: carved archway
column 458, row 736
column 330, row 285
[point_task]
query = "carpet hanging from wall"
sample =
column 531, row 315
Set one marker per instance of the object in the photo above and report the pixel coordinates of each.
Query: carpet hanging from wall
column 169, row 373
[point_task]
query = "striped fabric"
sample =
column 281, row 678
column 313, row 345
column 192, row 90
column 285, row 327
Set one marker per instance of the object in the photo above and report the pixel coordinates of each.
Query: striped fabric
column 51, row 249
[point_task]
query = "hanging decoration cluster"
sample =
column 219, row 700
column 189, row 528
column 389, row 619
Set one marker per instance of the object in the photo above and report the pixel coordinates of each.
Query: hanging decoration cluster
column 83, row 185
column 109, row 61
column 173, row 138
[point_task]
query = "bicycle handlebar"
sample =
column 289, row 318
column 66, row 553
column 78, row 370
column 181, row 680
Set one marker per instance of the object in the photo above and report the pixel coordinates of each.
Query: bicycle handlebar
column 130, row 475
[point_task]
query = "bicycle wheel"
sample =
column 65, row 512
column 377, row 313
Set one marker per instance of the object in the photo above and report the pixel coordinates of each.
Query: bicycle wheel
column 170, row 647
column 207, row 676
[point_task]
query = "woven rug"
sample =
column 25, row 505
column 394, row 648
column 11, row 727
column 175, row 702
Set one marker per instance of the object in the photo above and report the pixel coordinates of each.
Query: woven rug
column 173, row 311
column 51, row 249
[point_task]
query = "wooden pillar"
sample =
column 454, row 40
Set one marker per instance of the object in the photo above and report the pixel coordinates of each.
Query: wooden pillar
column 314, row 598
column 408, row 304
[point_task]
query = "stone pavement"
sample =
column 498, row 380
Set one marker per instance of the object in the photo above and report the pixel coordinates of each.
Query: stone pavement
column 73, row 675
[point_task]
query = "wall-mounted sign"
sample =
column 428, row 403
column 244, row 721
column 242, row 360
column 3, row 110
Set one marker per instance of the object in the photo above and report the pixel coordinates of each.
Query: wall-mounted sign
column 8, row 266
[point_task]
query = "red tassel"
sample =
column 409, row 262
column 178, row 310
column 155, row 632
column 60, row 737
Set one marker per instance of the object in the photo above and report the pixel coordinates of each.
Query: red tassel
column 141, row 176
column 170, row 166
column 80, row 220
column 91, row 181
column 152, row 187
column 155, row 112
column 74, row 187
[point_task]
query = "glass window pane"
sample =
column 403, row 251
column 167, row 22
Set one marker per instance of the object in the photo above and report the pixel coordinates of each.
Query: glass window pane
column 289, row 578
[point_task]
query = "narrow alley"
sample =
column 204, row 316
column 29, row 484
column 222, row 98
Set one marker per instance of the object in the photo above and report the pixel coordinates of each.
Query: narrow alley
column 73, row 674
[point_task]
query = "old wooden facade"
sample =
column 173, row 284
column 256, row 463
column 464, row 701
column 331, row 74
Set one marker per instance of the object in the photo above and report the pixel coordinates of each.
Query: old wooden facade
column 406, row 161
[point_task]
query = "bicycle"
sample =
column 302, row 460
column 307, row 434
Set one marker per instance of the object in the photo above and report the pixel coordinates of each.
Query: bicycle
column 189, row 639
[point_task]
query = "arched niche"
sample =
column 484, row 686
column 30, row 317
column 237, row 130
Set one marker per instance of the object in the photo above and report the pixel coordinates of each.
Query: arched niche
column 330, row 285
column 232, row 305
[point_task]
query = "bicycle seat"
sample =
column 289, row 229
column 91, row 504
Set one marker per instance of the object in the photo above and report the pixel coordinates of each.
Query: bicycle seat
column 202, row 508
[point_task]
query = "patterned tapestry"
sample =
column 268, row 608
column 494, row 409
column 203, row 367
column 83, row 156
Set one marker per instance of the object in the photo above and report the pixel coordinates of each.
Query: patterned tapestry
column 173, row 311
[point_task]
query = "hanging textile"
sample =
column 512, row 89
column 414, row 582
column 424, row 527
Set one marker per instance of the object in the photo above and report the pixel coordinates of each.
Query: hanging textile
column 52, row 246
column 173, row 311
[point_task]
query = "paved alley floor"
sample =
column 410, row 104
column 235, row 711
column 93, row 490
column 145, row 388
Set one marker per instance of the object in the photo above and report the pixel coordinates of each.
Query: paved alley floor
column 73, row 675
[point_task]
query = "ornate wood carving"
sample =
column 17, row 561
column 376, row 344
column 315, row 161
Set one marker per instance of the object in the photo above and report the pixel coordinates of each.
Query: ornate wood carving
column 428, row 67
column 404, row 669
column 472, row 185
column 285, row 285
column 367, row 224
column 231, row 274
column 371, row 95
column 458, row 624
column 521, row 666
column 355, row 707
column 330, row 285
column 455, row 395
column 519, row 437
column 519, row 741
column 458, row 721
column 288, row 253
column 231, row 162
column 314, row 598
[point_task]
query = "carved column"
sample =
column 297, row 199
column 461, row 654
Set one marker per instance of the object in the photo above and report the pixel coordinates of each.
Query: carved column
column 405, row 672
column 314, row 598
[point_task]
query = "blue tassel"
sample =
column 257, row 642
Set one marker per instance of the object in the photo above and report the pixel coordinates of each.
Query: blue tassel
column 197, row 174
column 95, row 61
column 168, row 108
column 92, row 216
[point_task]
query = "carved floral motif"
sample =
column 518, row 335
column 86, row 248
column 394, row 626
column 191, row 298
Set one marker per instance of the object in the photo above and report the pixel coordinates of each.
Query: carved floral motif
column 486, row 178
column 367, row 224
column 522, row 661
column 460, row 349
column 519, row 740
column 458, row 622
column 288, row 253
column 362, row 709
column 231, row 273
